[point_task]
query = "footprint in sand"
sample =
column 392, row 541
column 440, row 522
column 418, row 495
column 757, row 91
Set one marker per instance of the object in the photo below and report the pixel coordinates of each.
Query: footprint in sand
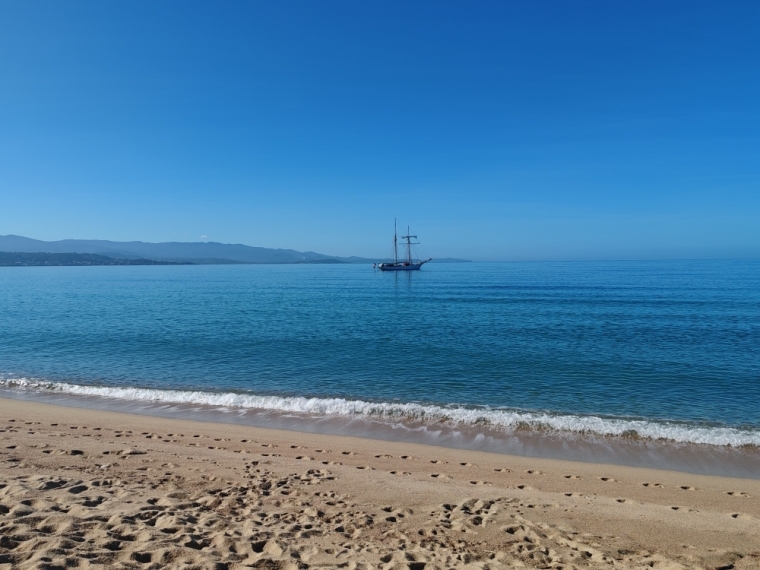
column 658, row 485
column 573, row 477
column 440, row 476
column 349, row 453
column 53, row 484
column 127, row 452
column 535, row 472
column 396, row 514
column 479, row 483
column 737, row 494
column 688, row 488
column 438, row 461
column 383, row 456
column 465, row 464
column 322, row 451
column 608, row 480
column 503, row 470
column 525, row 487
column 741, row 516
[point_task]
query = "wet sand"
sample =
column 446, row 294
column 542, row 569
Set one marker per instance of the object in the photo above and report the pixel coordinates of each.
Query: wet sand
column 84, row 488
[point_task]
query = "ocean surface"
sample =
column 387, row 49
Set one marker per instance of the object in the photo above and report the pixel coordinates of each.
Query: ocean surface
column 642, row 363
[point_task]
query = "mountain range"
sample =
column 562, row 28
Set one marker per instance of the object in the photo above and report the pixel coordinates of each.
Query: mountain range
column 183, row 252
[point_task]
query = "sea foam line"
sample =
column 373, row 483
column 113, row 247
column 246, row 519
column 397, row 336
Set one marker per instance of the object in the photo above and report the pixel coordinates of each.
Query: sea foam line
column 498, row 419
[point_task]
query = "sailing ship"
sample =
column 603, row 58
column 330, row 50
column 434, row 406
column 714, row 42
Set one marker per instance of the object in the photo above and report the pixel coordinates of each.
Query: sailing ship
column 407, row 264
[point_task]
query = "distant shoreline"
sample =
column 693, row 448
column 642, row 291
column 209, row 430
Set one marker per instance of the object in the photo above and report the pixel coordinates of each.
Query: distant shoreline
column 20, row 259
column 17, row 259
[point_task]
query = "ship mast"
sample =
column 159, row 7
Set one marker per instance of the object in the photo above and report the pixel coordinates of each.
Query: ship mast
column 409, row 243
column 395, row 242
column 408, row 246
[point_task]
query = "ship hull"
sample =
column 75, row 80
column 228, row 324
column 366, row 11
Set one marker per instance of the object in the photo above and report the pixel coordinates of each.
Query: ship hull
column 412, row 267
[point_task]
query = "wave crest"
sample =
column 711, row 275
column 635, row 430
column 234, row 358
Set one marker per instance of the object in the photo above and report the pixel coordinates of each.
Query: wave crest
column 496, row 419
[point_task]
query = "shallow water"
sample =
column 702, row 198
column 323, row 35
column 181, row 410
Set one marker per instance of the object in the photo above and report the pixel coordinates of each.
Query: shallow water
column 641, row 351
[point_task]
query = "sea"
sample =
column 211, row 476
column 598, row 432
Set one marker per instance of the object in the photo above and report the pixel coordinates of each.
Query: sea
column 644, row 363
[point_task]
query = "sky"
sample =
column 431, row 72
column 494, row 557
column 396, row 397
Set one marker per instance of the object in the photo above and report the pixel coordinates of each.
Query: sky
column 499, row 130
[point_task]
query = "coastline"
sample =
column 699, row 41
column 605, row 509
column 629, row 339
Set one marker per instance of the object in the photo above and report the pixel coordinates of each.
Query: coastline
column 103, row 487
column 591, row 439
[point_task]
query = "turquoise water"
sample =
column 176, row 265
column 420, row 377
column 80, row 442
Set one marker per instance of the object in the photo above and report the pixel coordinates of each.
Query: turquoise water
column 640, row 349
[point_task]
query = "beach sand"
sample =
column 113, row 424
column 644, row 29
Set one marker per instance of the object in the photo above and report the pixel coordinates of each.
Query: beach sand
column 83, row 488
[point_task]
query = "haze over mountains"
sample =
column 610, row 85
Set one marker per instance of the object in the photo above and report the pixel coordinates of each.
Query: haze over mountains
column 192, row 252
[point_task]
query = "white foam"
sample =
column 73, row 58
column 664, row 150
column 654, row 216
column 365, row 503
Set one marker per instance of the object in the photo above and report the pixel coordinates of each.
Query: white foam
column 493, row 419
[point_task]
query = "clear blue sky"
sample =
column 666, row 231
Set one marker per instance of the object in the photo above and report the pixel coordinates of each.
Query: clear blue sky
column 498, row 130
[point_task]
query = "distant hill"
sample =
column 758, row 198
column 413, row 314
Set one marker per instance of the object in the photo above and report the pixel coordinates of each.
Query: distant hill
column 183, row 252
column 16, row 259
column 198, row 252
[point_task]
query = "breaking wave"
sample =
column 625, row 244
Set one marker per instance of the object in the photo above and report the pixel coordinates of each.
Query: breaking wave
column 500, row 419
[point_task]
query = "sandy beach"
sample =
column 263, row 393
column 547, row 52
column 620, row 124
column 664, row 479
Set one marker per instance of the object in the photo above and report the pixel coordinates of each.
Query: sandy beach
column 82, row 488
